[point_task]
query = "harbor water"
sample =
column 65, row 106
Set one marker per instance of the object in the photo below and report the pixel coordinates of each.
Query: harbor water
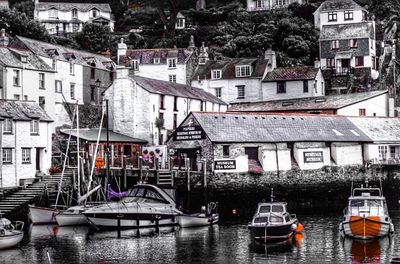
column 223, row 243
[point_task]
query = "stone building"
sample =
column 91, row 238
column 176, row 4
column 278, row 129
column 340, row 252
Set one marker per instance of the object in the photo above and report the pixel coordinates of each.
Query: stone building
column 25, row 141
column 69, row 16
column 374, row 103
column 347, row 43
column 265, row 5
column 151, row 109
column 255, row 143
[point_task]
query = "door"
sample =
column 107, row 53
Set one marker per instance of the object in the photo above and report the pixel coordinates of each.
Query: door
column 252, row 153
column 38, row 159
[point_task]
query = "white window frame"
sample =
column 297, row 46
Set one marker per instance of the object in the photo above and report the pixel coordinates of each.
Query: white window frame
column 72, row 68
column 216, row 74
column 260, row 4
column 243, row 70
column 218, row 92
column 335, row 44
column 171, row 62
column 241, row 91
column 94, row 12
column 135, row 65
column 8, row 126
column 72, row 90
column 34, row 127
column 26, row 154
column 383, row 151
column 74, row 13
column 7, row 155
column 332, row 16
column 353, row 43
column 172, row 78
column 348, row 15
column 156, row 60
column 16, row 77
column 42, row 79
column 180, row 23
column 53, row 13
column 58, row 88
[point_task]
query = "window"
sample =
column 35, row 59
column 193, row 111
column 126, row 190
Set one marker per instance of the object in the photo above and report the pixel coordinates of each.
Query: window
column 7, row 155
column 71, row 68
column 7, row 126
column 34, row 127
column 361, row 112
column 280, row 87
column 92, row 93
column 92, row 73
column 373, row 59
column 172, row 78
column 330, row 63
column 348, row 15
column 25, row 97
column 201, row 106
column 175, row 121
column 218, row 92
column 75, row 27
column 58, row 86
column 216, row 74
column 365, row 15
column 16, row 79
column 24, row 59
column 17, row 97
column 241, row 92
column 94, row 12
column 180, row 23
column 305, row 86
column 335, row 44
column 260, row 4
column 72, row 90
column 332, row 16
column 243, row 71
column 171, row 63
column 41, row 81
column 74, row 13
column 42, row 102
column 359, row 61
column 53, row 13
column 225, row 151
column 111, row 76
column 353, row 43
column 26, row 155
column 383, row 151
column 162, row 97
column 156, row 60
column 135, row 65
column 175, row 103
column 54, row 64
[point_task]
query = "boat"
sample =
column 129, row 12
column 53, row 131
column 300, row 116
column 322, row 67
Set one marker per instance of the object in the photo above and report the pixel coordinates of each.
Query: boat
column 43, row 215
column 205, row 218
column 10, row 235
column 72, row 216
column 146, row 206
column 366, row 216
column 272, row 222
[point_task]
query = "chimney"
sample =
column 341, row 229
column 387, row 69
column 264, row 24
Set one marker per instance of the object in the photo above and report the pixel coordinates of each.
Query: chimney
column 203, row 54
column 271, row 57
column 317, row 63
column 192, row 45
column 122, row 48
column 106, row 53
column 4, row 40
column 200, row 4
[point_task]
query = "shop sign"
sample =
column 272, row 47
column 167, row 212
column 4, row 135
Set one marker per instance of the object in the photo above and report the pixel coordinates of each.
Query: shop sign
column 225, row 165
column 313, row 157
column 189, row 133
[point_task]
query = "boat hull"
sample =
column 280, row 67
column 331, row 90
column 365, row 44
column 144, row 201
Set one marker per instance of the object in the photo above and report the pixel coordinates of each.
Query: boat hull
column 43, row 215
column 272, row 233
column 365, row 228
column 64, row 219
column 196, row 220
column 11, row 239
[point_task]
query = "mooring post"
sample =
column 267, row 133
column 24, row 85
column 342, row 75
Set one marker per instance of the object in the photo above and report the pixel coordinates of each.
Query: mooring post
column 188, row 173
column 124, row 172
column 119, row 227
column 156, row 167
column 205, row 173
column 157, row 225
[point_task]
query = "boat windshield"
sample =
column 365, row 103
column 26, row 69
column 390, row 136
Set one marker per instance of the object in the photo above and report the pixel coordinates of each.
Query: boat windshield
column 374, row 203
column 260, row 220
column 140, row 192
column 276, row 219
column 265, row 209
column 357, row 203
column 277, row 208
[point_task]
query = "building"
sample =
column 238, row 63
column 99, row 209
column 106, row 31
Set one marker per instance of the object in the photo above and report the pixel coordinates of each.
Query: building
column 265, row 5
column 79, row 76
column 358, row 104
column 347, row 43
column 257, row 143
column 69, row 16
column 180, row 21
column 385, row 134
column 151, row 109
column 25, row 141
column 4, row 4
column 173, row 65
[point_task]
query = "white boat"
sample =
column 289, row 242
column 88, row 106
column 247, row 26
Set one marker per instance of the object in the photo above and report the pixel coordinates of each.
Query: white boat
column 195, row 220
column 72, row 216
column 366, row 216
column 10, row 235
column 43, row 215
column 145, row 206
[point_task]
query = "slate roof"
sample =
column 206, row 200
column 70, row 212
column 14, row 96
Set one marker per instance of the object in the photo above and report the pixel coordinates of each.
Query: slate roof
column 22, row 111
column 63, row 53
column 291, row 74
column 68, row 5
column 228, row 70
column 90, row 134
column 379, row 129
column 176, row 89
column 12, row 58
column 330, row 102
column 146, row 56
column 347, row 31
column 331, row 5
column 230, row 128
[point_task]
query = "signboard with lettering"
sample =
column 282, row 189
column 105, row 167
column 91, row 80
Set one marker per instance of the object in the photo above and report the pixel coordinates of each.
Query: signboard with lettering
column 189, row 133
column 313, row 157
column 225, row 165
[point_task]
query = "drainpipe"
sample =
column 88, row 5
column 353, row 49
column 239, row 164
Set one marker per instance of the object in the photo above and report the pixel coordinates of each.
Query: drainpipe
column 1, row 151
column 15, row 156
column 277, row 158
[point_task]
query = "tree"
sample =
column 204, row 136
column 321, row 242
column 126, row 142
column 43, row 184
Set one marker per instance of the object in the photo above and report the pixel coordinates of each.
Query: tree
column 94, row 37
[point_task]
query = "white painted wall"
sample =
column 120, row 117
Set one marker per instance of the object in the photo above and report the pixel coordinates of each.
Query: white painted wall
column 347, row 154
column 269, row 4
column 321, row 18
column 162, row 72
column 268, row 157
column 300, row 148
column 378, row 105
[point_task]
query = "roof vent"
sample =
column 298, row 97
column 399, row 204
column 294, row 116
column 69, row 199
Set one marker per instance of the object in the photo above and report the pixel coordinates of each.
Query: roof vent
column 321, row 100
column 263, row 117
column 337, row 132
column 236, row 117
column 255, row 117
column 244, row 117
column 354, row 132
column 287, row 103
column 216, row 117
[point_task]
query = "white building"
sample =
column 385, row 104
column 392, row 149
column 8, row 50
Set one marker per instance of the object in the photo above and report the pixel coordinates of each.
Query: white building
column 264, row 5
column 25, row 141
column 173, row 65
column 4, row 4
column 69, row 16
column 151, row 109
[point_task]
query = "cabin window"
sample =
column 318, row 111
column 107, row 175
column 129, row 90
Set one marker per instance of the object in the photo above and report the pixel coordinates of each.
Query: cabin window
column 275, row 219
column 357, row 203
column 35, row 127
column 277, row 208
column 260, row 220
column 373, row 203
column 287, row 218
column 305, row 86
column 153, row 195
column 265, row 209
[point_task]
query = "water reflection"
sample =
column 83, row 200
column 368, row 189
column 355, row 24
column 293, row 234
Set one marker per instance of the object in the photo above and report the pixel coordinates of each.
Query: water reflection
column 370, row 251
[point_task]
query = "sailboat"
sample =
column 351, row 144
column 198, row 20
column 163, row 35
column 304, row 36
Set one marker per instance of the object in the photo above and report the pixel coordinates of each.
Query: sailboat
column 10, row 235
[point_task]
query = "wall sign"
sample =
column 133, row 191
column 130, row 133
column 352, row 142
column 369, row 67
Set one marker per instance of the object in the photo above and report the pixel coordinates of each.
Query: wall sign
column 189, row 133
column 225, row 165
column 313, row 157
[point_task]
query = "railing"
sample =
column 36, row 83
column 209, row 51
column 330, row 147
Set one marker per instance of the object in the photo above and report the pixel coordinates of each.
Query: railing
column 388, row 161
column 342, row 71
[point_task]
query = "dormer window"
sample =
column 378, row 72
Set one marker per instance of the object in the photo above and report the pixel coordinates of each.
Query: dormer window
column 94, row 13
column 53, row 13
column 7, row 126
column 171, row 63
column 348, row 15
column 24, row 59
column 332, row 16
column 243, row 70
column 135, row 65
column 180, row 23
column 69, row 56
column 216, row 74
column 74, row 13
column 156, row 60
column 51, row 52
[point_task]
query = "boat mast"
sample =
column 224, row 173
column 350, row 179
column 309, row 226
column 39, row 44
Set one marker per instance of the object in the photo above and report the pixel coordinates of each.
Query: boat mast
column 78, row 152
column 272, row 195
column 107, row 149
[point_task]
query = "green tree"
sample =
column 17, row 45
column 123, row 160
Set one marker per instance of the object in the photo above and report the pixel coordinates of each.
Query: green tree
column 94, row 37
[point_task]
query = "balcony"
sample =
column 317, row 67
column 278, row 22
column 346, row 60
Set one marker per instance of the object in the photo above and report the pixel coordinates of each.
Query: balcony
column 342, row 71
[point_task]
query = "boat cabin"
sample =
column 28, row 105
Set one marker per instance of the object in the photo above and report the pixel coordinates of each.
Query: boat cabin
column 272, row 214
column 147, row 193
column 367, row 201
column 271, row 207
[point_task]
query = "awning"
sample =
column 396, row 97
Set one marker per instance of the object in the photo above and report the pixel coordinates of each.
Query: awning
column 344, row 55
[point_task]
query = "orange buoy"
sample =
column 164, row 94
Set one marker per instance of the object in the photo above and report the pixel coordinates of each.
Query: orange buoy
column 234, row 212
column 299, row 228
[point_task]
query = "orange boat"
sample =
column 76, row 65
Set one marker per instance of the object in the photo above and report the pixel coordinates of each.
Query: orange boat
column 366, row 216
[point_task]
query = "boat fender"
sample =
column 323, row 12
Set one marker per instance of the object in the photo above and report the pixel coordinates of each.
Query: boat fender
column 299, row 229
column 293, row 227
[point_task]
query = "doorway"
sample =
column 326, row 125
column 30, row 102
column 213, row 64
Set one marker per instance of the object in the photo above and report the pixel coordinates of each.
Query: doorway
column 39, row 159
